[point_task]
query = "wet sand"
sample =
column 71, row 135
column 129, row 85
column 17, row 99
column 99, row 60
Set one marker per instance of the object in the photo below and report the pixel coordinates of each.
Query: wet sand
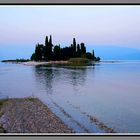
column 29, row 115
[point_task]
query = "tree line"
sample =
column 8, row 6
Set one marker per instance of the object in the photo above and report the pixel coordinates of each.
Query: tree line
column 55, row 52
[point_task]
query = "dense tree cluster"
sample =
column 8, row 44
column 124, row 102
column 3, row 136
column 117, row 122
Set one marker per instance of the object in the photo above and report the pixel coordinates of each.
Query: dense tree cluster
column 55, row 52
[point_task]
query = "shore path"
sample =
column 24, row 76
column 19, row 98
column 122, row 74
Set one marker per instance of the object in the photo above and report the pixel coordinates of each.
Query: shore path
column 29, row 115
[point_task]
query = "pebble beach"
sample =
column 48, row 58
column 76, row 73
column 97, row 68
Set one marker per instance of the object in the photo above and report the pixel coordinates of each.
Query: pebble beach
column 29, row 115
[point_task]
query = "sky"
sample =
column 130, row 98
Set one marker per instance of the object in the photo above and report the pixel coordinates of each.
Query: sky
column 21, row 27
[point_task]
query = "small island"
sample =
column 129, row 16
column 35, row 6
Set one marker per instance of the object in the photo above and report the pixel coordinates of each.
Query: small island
column 75, row 53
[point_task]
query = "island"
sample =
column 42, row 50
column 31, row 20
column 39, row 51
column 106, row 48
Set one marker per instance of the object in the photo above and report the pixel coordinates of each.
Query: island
column 74, row 53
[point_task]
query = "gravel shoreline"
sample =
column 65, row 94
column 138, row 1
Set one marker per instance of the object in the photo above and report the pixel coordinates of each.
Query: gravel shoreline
column 29, row 115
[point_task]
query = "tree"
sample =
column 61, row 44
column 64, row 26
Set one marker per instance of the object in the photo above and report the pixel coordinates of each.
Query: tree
column 78, row 51
column 33, row 56
column 39, row 52
column 89, row 55
column 50, row 40
column 98, row 59
column 50, row 45
column 93, row 54
column 65, row 55
column 46, row 50
column 74, row 46
column 57, row 53
column 46, row 41
column 83, row 49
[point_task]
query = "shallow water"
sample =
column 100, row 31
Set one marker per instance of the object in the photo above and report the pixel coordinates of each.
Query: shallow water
column 96, row 98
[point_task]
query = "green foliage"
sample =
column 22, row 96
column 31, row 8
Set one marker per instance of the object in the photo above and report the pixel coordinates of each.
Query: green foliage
column 79, row 61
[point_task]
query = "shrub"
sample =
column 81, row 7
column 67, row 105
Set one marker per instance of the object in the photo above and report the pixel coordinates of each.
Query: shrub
column 79, row 61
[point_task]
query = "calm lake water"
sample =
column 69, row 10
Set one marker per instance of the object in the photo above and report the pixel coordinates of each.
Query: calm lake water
column 89, row 99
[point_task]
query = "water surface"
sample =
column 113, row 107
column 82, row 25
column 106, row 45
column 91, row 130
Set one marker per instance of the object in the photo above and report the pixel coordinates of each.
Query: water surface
column 89, row 98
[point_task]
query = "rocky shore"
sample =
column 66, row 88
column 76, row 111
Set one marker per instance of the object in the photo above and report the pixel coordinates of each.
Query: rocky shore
column 29, row 115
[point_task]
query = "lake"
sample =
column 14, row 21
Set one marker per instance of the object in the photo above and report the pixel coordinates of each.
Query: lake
column 89, row 99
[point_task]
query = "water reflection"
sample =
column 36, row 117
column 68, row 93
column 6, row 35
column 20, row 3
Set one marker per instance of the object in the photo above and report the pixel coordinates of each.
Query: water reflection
column 51, row 78
column 77, row 77
column 44, row 78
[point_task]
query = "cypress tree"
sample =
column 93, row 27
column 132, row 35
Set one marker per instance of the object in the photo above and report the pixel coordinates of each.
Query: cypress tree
column 50, row 41
column 74, row 47
column 83, row 48
column 50, row 48
column 46, row 49
column 72, row 50
column 78, row 50
column 93, row 54
column 46, row 41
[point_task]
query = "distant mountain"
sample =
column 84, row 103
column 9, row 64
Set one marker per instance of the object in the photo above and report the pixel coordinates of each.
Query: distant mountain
column 15, row 51
column 117, row 53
